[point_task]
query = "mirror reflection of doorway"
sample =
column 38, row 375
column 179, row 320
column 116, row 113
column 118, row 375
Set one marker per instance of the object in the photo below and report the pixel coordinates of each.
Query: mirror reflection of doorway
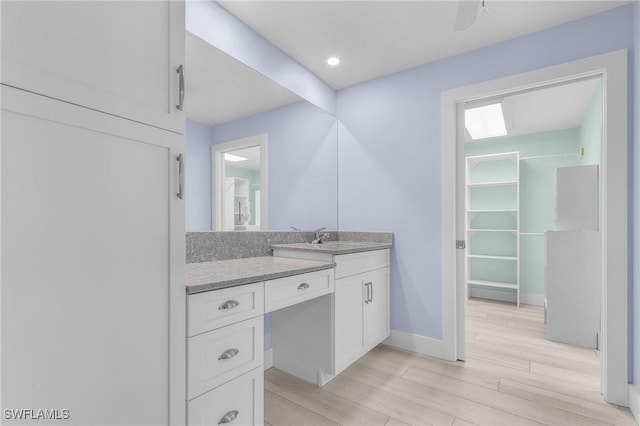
column 241, row 190
column 239, row 184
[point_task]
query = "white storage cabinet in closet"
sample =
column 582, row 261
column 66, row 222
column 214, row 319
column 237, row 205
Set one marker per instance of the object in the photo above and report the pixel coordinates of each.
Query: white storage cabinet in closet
column 92, row 225
column 493, row 222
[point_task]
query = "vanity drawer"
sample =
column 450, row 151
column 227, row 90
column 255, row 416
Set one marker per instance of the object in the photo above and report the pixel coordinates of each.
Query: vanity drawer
column 217, row 308
column 287, row 291
column 220, row 355
column 238, row 402
column 356, row 263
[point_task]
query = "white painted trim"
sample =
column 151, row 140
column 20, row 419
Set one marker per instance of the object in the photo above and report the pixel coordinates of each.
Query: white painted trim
column 507, row 296
column 532, row 299
column 634, row 402
column 217, row 177
column 612, row 67
column 268, row 358
column 415, row 343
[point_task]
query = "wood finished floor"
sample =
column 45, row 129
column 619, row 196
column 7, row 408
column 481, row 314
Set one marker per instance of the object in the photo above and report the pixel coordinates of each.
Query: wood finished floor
column 512, row 376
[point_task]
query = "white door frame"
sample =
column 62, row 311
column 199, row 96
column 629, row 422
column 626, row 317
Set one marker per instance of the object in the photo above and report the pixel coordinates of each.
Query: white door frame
column 612, row 68
column 217, row 176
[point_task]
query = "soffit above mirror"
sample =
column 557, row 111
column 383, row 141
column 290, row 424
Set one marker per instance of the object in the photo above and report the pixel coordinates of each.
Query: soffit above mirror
column 220, row 89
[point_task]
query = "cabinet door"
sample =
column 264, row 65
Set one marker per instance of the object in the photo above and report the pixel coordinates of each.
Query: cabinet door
column 93, row 299
column 118, row 57
column 349, row 338
column 376, row 312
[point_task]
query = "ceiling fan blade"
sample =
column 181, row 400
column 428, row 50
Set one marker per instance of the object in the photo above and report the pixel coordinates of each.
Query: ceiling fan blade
column 467, row 14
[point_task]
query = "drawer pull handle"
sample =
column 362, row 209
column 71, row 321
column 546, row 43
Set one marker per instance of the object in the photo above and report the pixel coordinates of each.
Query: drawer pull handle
column 229, row 417
column 228, row 354
column 229, row 304
column 303, row 286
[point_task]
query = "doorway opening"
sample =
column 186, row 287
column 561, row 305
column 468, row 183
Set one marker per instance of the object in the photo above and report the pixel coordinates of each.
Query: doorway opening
column 611, row 68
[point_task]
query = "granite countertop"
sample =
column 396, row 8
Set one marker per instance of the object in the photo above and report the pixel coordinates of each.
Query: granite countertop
column 206, row 276
column 334, row 247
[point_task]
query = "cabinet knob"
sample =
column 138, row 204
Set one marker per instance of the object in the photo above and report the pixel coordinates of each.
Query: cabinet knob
column 229, row 304
column 303, row 286
column 228, row 354
column 229, row 417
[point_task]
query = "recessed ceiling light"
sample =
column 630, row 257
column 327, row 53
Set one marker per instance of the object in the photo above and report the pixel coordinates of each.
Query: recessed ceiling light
column 485, row 121
column 333, row 61
column 234, row 158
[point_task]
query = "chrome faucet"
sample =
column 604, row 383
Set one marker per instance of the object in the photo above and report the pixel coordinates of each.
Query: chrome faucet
column 320, row 236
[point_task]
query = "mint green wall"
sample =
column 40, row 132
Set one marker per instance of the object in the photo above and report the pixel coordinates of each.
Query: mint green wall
column 536, row 204
column 590, row 130
column 253, row 177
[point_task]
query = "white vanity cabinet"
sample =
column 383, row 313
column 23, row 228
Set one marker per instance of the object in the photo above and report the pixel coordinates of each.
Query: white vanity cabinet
column 330, row 334
column 118, row 57
column 361, row 305
column 225, row 356
column 225, row 344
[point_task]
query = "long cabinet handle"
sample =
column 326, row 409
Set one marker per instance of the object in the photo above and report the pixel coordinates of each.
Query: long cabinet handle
column 369, row 296
column 180, row 160
column 229, row 417
column 303, row 286
column 180, row 72
column 228, row 354
column 229, row 304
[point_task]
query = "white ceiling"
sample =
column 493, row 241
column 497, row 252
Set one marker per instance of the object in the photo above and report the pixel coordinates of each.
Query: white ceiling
column 252, row 156
column 219, row 88
column 375, row 38
column 553, row 108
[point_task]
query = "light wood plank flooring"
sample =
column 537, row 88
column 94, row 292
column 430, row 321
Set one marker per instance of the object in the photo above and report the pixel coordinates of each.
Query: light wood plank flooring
column 512, row 376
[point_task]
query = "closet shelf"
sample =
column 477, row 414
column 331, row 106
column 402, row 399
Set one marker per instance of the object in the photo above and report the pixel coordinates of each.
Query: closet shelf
column 493, row 211
column 489, row 184
column 497, row 284
column 491, row 230
column 491, row 256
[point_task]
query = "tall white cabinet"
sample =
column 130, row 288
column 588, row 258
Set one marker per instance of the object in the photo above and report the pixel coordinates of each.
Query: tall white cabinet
column 92, row 216
column 493, row 222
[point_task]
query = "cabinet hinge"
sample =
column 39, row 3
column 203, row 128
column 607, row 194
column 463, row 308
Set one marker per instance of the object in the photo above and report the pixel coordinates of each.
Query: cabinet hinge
column 461, row 244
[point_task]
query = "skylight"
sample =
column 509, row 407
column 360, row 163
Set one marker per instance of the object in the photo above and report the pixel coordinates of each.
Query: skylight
column 234, row 158
column 485, row 121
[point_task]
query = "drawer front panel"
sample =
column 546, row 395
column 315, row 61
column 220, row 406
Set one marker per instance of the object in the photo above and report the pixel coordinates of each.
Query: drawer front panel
column 356, row 263
column 218, row 308
column 238, row 402
column 220, row 355
column 288, row 291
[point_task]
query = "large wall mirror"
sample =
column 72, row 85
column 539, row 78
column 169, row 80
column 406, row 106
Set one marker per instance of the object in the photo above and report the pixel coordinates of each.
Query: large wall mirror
column 258, row 156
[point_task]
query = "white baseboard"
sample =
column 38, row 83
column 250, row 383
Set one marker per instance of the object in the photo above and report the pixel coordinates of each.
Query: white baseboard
column 419, row 344
column 507, row 296
column 268, row 358
column 634, row 402
column 532, row 299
